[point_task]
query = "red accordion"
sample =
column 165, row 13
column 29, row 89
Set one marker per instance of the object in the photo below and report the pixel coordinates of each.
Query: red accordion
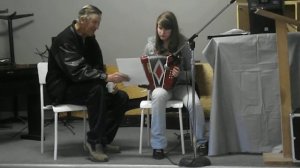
column 158, row 70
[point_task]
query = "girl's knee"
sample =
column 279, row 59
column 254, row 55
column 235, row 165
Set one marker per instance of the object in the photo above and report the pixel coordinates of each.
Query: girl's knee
column 159, row 93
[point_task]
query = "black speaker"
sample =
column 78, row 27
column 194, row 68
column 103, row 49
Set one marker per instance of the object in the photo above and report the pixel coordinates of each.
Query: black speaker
column 295, row 134
column 261, row 24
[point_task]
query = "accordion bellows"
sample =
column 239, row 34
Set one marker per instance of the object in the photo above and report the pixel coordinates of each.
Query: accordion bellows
column 157, row 73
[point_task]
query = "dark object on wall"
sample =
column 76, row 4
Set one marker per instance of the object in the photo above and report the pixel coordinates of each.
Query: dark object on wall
column 261, row 24
column 4, row 11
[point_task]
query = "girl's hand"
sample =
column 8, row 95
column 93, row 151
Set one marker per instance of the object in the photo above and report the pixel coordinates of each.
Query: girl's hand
column 175, row 71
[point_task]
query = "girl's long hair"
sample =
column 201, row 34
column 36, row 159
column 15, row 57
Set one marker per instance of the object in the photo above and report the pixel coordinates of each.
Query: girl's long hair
column 167, row 20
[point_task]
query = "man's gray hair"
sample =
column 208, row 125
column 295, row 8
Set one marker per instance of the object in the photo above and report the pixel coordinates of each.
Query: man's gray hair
column 88, row 10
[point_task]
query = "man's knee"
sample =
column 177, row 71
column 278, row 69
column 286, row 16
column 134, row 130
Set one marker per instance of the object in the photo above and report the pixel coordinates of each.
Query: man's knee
column 123, row 96
column 98, row 88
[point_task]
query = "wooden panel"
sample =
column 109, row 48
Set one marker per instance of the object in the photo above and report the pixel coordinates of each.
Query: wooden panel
column 285, row 91
column 243, row 17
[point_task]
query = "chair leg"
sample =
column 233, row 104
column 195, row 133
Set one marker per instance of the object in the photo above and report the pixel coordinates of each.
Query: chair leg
column 181, row 131
column 84, row 129
column 148, row 127
column 42, row 131
column 191, row 133
column 55, row 135
column 141, row 131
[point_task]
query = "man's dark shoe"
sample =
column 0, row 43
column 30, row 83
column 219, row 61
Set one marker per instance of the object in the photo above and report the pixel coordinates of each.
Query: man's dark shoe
column 158, row 154
column 112, row 148
column 202, row 149
column 96, row 153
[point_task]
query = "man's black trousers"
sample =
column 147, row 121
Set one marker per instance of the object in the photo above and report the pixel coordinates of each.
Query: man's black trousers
column 105, row 110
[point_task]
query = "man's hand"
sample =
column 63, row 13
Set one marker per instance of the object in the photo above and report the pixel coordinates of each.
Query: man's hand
column 117, row 77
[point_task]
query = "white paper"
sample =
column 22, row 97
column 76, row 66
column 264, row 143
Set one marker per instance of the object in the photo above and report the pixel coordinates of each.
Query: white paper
column 134, row 69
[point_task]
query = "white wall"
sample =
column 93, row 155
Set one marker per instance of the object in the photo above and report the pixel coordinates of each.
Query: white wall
column 125, row 25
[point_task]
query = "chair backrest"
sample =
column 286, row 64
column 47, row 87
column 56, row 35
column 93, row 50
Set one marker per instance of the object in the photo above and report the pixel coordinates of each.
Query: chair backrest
column 42, row 71
column 204, row 78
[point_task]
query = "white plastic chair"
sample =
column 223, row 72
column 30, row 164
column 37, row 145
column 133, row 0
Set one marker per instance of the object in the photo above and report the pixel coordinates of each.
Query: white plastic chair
column 147, row 104
column 42, row 71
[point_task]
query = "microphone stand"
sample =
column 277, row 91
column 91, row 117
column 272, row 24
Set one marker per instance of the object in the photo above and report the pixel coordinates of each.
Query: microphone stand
column 200, row 160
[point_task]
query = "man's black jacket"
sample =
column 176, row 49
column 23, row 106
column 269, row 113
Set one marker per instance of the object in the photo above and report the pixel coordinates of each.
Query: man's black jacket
column 72, row 59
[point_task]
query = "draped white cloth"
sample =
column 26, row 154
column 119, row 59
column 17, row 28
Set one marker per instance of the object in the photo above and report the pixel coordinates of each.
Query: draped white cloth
column 245, row 114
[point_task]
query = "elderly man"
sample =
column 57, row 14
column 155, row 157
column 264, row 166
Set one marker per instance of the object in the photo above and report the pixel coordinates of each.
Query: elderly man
column 76, row 75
